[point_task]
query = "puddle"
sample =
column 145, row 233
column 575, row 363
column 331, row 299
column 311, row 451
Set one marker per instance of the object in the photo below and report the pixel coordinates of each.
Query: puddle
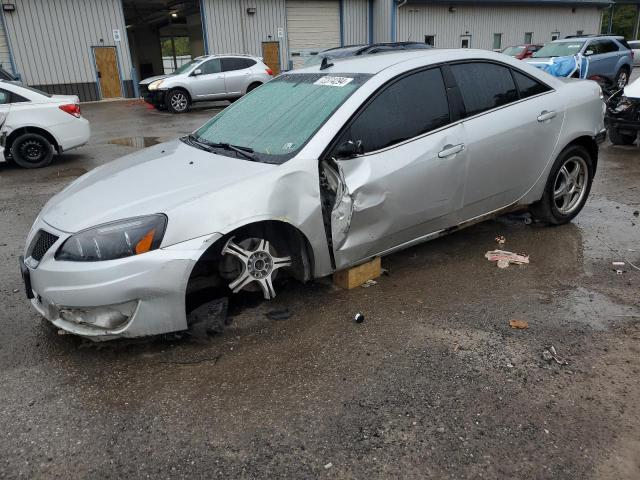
column 136, row 142
column 594, row 309
column 68, row 172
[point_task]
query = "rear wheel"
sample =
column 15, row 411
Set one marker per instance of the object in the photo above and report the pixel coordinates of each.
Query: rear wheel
column 178, row 101
column 31, row 150
column 622, row 78
column 567, row 187
column 253, row 86
column 618, row 138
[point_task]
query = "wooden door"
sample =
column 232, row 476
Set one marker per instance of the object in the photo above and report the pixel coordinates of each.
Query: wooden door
column 108, row 72
column 271, row 56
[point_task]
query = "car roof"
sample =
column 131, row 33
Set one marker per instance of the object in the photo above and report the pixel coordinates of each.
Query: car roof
column 372, row 64
column 588, row 37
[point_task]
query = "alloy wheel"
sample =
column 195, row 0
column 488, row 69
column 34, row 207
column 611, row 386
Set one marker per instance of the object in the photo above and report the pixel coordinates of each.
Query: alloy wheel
column 622, row 79
column 179, row 101
column 569, row 187
column 258, row 264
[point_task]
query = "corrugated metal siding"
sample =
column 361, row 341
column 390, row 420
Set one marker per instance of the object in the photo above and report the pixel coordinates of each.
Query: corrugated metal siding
column 312, row 25
column 231, row 30
column 5, row 58
column 416, row 21
column 382, row 20
column 355, row 21
column 52, row 39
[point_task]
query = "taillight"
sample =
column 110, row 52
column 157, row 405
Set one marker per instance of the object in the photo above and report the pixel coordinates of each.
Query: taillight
column 269, row 72
column 71, row 109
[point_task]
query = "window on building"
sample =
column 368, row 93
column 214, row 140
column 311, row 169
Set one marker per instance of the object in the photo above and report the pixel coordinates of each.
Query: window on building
column 430, row 40
column 230, row 64
column 465, row 42
column 176, row 51
column 484, row 86
column 497, row 41
column 410, row 106
column 528, row 86
column 528, row 37
column 580, row 32
column 555, row 36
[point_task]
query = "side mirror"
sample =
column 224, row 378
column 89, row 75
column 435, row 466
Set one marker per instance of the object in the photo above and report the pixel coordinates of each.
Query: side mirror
column 349, row 149
column 588, row 53
column 197, row 72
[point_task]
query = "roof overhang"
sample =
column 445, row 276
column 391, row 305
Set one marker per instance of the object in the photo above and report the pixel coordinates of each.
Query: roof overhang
column 541, row 3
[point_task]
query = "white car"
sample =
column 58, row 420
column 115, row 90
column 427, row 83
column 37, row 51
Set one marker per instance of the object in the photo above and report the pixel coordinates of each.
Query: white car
column 635, row 48
column 34, row 125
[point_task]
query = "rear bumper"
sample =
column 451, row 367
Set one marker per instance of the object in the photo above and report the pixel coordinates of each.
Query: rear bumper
column 72, row 134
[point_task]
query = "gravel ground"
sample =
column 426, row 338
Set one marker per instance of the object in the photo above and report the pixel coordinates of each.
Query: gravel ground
column 433, row 384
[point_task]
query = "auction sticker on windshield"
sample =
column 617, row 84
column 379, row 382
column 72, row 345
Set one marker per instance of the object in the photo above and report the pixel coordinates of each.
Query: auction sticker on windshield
column 334, row 81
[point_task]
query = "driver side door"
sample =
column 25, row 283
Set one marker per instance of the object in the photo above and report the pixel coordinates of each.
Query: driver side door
column 408, row 180
column 210, row 82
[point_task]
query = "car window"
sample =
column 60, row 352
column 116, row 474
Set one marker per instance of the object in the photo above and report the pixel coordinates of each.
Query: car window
column 513, row 51
column 559, row 49
column 484, row 86
column 634, row 44
column 231, row 64
column 527, row 86
column 409, row 107
column 608, row 46
column 278, row 119
column 5, row 97
column 212, row 66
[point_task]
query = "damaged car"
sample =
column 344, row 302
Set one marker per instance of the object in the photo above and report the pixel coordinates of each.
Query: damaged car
column 321, row 169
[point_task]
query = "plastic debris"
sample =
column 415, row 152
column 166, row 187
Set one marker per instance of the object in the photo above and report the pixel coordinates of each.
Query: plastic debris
column 504, row 258
column 618, row 264
column 210, row 317
column 279, row 314
column 358, row 317
column 511, row 219
column 328, row 466
column 550, row 354
column 369, row 283
column 520, row 324
column 501, row 240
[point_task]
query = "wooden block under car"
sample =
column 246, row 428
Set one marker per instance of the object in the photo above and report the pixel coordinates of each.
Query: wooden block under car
column 355, row 276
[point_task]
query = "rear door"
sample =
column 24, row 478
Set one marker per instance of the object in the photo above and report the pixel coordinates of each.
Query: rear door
column 409, row 182
column 5, row 106
column 210, row 82
column 511, row 128
column 236, row 73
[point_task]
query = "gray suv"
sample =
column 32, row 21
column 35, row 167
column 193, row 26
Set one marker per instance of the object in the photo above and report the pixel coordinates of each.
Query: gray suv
column 210, row 77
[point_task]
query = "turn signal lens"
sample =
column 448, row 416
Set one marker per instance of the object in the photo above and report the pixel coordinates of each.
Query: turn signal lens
column 125, row 238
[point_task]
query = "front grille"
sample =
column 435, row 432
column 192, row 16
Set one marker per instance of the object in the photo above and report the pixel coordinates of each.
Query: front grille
column 42, row 242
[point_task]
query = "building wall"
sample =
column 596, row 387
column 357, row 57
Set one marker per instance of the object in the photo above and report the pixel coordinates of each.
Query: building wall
column 52, row 40
column 416, row 21
column 355, row 21
column 229, row 29
column 382, row 20
column 5, row 56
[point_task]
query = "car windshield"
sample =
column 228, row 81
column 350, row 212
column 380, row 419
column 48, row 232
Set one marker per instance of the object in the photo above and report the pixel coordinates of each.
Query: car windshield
column 559, row 49
column 513, row 51
column 276, row 120
column 185, row 67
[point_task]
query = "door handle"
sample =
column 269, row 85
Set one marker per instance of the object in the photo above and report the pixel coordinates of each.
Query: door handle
column 449, row 150
column 546, row 115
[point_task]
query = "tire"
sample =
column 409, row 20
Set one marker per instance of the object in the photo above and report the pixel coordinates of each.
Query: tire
column 253, row 86
column 566, row 191
column 622, row 78
column 618, row 138
column 31, row 150
column 178, row 101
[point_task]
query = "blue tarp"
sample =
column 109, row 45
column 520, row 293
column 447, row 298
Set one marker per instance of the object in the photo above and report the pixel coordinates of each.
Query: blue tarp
column 565, row 66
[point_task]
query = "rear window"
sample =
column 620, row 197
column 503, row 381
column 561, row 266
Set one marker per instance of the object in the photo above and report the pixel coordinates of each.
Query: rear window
column 230, row 64
column 484, row 86
column 513, row 51
column 528, row 86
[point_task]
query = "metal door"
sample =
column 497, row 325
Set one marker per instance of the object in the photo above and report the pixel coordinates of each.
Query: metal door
column 108, row 72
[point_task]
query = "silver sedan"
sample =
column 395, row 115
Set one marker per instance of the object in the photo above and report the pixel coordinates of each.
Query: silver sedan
column 318, row 170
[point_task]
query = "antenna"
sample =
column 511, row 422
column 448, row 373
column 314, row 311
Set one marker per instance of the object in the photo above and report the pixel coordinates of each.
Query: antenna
column 325, row 63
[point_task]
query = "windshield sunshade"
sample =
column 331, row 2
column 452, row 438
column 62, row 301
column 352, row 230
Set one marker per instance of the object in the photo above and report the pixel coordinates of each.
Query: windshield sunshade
column 276, row 120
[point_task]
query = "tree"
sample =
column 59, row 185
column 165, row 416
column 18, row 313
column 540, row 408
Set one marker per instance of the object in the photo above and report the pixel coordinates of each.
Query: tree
column 624, row 20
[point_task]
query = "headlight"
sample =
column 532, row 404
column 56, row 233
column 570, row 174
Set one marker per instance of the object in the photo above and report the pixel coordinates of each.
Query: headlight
column 110, row 241
column 155, row 85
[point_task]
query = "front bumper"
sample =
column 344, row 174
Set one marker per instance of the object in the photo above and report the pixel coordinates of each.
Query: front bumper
column 141, row 295
column 155, row 97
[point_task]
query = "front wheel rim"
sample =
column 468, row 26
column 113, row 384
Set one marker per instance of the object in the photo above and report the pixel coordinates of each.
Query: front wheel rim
column 570, row 185
column 179, row 101
column 622, row 79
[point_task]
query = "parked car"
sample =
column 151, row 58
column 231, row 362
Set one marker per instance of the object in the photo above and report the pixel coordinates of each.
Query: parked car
column 623, row 115
column 521, row 51
column 363, row 49
column 635, row 49
column 34, row 125
column 211, row 77
column 608, row 56
column 301, row 178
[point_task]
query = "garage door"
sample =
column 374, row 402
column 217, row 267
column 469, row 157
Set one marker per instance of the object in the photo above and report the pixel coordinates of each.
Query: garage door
column 312, row 26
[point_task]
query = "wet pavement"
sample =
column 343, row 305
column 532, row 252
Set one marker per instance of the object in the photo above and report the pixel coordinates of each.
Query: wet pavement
column 433, row 384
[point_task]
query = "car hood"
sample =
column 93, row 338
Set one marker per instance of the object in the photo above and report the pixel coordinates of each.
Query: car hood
column 153, row 180
column 147, row 81
column 633, row 89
